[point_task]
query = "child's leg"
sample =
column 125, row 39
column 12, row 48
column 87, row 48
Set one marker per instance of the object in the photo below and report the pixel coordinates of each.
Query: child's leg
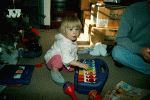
column 55, row 63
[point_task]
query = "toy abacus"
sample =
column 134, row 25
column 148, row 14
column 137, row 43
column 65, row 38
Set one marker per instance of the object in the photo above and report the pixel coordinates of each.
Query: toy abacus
column 92, row 79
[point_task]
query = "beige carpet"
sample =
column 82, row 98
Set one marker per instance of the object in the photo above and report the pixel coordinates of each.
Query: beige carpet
column 42, row 87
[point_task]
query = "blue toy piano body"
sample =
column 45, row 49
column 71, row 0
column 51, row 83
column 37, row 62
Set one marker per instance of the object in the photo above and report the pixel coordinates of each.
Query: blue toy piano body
column 101, row 77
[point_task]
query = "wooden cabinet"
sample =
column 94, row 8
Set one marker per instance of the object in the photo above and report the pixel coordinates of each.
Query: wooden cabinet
column 58, row 17
column 62, row 8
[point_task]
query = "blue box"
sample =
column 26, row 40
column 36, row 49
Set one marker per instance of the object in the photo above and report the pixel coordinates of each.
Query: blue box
column 16, row 74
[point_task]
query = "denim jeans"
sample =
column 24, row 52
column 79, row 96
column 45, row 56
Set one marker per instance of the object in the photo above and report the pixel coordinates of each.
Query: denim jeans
column 134, row 61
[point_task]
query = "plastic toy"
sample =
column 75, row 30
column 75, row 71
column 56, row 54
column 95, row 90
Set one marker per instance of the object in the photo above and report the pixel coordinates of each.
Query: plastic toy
column 89, row 75
column 94, row 79
column 69, row 89
column 30, row 54
column 94, row 96
column 40, row 65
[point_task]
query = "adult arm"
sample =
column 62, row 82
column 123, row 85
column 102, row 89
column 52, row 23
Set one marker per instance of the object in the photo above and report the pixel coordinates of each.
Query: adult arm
column 125, row 28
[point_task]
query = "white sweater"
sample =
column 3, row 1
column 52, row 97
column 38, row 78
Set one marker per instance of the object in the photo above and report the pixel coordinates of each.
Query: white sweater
column 65, row 48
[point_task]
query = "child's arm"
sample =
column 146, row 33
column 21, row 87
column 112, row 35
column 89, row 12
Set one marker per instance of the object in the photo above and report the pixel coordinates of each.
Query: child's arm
column 79, row 64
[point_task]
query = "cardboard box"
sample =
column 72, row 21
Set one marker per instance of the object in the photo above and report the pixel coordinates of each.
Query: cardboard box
column 113, row 1
column 109, row 38
column 110, row 16
column 95, row 1
column 103, row 35
column 88, row 26
column 106, row 16
column 93, row 13
column 85, row 5
column 111, row 34
column 86, row 14
column 96, row 36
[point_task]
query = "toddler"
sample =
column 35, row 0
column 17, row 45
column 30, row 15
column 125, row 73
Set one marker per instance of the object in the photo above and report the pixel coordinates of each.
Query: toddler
column 63, row 53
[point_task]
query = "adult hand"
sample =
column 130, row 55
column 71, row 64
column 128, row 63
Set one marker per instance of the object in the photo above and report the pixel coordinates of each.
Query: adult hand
column 145, row 52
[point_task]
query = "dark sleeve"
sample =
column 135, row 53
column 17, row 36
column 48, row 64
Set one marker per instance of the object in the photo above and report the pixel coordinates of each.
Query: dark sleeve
column 125, row 27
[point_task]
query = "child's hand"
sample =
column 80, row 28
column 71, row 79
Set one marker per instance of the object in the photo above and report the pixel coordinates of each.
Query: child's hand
column 84, row 66
column 79, row 64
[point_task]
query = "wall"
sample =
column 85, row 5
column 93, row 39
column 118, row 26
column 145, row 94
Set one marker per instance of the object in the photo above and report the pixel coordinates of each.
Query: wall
column 45, row 9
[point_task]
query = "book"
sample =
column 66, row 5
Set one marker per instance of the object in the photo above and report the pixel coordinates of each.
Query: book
column 124, row 91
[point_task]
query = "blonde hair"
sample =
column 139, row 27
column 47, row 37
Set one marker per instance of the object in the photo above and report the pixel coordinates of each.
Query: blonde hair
column 70, row 21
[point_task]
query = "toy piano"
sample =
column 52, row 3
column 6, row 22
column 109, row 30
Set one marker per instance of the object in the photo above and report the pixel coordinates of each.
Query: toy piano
column 92, row 79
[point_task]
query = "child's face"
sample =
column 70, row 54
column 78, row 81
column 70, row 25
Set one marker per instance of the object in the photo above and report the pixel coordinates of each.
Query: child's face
column 72, row 33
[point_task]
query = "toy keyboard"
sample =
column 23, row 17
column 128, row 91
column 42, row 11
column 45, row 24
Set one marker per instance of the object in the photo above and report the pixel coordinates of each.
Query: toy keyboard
column 92, row 79
column 89, row 75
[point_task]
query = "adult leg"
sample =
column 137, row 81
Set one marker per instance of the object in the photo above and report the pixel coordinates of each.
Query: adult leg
column 125, row 57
